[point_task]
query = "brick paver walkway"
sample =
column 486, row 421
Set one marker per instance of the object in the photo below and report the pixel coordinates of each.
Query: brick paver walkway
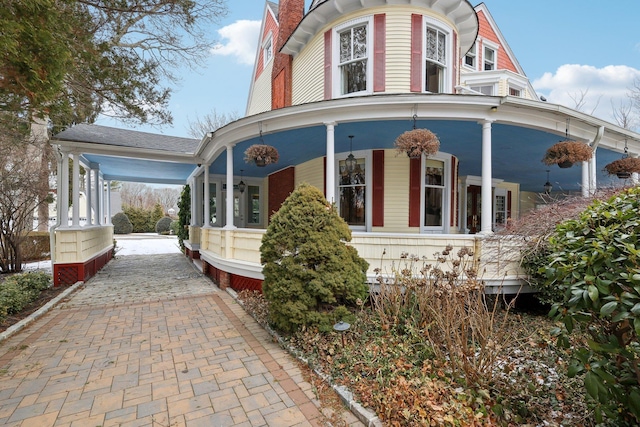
column 150, row 342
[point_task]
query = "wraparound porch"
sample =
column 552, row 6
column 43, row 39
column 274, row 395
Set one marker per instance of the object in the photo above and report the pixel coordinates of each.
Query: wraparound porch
column 232, row 256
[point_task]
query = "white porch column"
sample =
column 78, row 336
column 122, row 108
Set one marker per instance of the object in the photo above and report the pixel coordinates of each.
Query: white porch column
column 76, row 190
column 586, row 181
column 63, row 191
column 487, row 199
column 96, row 179
column 593, row 183
column 330, row 178
column 229, row 207
column 108, row 204
column 103, row 220
column 205, row 198
column 89, row 197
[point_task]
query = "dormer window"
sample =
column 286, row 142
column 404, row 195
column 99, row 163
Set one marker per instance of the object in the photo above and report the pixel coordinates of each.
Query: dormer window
column 470, row 58
column 353, row 60
column 489, row 59
column 436, row 59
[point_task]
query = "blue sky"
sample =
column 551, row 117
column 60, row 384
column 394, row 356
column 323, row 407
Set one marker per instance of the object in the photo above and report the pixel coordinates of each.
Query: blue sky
column 566, row 47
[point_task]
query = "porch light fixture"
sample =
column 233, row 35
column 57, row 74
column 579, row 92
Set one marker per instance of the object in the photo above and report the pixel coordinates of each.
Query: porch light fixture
column 241, row 185
column 341, row 327
column 547, row 185
column 351, row 161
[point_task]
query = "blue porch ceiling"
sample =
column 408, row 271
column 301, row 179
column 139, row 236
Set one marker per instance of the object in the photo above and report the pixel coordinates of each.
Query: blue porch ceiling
column 516, row 151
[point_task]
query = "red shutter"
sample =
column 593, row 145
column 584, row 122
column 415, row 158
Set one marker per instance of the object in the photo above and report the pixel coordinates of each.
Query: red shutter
column 327, row 65
column 455, row 62
column 324, row 175
column 454, row 179
column 508, row 206
column 416, row 53
column 414, row 192
column 378, row 189
column 379, row 52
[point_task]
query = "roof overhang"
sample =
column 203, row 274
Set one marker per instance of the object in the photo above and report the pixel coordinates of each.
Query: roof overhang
column 460, row 13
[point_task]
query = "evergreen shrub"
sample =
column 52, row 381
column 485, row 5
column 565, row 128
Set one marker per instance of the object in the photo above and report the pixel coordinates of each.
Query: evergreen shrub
column 19, row 290
column 121, row 224
column 163, row 225
column 595, row 262
column 309, row 270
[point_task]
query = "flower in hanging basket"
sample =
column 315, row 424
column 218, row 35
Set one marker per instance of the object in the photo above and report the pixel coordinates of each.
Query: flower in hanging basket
column 565, row 153
column 417, row 142
column 624, row 167
column 261, row 154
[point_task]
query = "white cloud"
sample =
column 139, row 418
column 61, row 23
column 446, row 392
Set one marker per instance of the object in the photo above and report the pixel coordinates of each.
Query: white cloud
column 602, row 88
column 239, row 40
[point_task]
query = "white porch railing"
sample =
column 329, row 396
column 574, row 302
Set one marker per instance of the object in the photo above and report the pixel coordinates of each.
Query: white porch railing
column 79, row 244
column 238, row 252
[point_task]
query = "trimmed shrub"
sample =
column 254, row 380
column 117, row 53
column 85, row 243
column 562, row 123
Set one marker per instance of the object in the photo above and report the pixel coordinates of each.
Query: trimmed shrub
column 595, row 262
column 309, row 270
column 19, row 290
column 121, row 224
column 163, row 225
column 174, row 227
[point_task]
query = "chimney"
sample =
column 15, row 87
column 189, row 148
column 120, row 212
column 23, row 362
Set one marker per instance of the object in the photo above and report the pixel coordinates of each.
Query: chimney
column 290, row 13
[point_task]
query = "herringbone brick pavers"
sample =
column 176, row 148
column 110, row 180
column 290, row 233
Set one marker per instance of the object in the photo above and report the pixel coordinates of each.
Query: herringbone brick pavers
column 149, row 341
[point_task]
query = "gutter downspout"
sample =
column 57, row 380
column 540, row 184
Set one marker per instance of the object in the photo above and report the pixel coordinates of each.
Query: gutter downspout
column 589, row 184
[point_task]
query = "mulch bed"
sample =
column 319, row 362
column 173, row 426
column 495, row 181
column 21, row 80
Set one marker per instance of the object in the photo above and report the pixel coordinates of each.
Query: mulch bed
column 45, row 296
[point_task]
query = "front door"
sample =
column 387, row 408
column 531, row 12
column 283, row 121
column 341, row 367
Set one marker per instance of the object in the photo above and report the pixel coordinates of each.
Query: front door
column 473, row 208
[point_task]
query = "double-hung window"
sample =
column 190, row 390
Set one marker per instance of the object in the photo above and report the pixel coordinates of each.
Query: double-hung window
column 470, row 58
column 489, row 59
column 354, row 57
column 436, row 60
column 267, row 51
column 353, row 191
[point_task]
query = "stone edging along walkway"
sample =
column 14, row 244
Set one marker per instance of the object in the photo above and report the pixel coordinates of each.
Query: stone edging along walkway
column 14, row 329
column 367, row 417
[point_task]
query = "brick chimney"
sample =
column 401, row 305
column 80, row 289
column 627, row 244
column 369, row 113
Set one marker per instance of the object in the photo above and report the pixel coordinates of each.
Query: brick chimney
column 290, row 13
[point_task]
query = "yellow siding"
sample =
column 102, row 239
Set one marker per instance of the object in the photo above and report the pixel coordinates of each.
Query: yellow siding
column 528, row 201
column 308, row 73
column 308, row 66
column 261, row 96
column 396, row 194
column 311, row 172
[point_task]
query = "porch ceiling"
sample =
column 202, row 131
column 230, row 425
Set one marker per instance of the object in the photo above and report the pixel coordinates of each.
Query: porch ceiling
column 516, row 152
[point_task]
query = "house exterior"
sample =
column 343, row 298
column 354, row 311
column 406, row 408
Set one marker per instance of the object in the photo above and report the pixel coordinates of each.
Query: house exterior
column 341, row 81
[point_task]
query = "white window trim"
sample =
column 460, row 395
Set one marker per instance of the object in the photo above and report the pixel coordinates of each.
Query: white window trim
column 499, row 192
column 368, row 165
column 268, row 40
column 441, row 26
column 475, row 55
column 446, row 197
column 335, row 57
column 493, row 46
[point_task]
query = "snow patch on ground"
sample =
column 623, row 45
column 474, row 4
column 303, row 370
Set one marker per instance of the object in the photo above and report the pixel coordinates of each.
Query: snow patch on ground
column 128, row 244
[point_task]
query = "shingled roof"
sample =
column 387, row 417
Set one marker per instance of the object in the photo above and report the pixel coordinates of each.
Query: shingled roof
column 108, row 136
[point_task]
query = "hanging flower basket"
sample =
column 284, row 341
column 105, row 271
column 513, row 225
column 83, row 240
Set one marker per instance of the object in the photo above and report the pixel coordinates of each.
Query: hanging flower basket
column 624, row 167
column 417, row 142
column 261, row 155
column 566, row 153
